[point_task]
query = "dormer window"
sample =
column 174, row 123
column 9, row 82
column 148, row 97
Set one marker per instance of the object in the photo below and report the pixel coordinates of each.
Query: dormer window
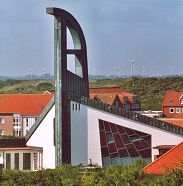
column 125, row 98
column 171, row 110
column 181, row 99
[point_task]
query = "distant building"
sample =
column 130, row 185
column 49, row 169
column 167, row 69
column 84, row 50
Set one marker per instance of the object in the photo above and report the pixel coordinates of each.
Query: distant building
column 150, row 113
column 115, row 96
column 162, row 149
column 18, row 112
column 172, row 106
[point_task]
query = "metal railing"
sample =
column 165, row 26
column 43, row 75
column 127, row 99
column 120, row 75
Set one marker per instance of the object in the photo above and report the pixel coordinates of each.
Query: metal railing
column 128, row 114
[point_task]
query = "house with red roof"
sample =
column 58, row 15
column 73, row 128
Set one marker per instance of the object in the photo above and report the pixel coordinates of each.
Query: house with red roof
column 115, row 96
column 18, row 112
column 172, row 159
column 16, row 155
column 173, row 121
column 172, row 106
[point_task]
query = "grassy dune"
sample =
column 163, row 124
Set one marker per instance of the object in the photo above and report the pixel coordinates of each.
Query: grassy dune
column 150, row 90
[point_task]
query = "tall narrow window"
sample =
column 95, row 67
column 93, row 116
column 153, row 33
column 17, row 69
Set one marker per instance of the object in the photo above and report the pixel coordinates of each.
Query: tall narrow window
column 26, row 161
column 2, row 120
column 17, row 161
column 1, row 132
column 16, row 119
column 181, row 101
column 116, row 104
column 27, row 122
column 35, row 161
column 8, row 161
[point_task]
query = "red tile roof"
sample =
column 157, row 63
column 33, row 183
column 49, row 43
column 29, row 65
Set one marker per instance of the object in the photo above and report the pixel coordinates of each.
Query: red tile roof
column 24, row 104
column 110, row 91
column 179, row 115
column 16, row 148
column 172, row 159
column 107, row 98
column 178, row 122
column 172, row 99
column 106, row 90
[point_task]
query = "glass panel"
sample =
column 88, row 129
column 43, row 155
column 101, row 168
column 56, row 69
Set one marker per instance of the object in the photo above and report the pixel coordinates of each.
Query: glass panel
column 106, row 161
column 35, row 161
column 110, row 138
column 126, row 161
column 26, row 161
column 8, row 161
column 17, row 161
column 116, row 161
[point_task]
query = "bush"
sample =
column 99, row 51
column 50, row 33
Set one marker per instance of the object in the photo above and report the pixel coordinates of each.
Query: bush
column 45, row 86
column 113, row 175
column 65, row 175
column 117, row 175
column 174, row 178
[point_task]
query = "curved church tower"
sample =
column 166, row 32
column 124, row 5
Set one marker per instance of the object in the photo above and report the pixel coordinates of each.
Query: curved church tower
column 67, row 84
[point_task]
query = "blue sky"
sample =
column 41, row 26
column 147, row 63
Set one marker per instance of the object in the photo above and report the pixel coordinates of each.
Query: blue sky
column 150, row 31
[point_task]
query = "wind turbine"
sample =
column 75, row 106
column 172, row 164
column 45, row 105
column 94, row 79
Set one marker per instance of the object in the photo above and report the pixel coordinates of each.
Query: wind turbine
column 43, row 73
column 171, row 72
column 143, row 71
column 117, row 71
column 132, row 66
column 31, row 71
column 93, row 69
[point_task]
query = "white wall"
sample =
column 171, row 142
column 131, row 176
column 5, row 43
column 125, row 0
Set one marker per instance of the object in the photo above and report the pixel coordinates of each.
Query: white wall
column 159, row 137
column 43, row 137
column 85, row 137
column 31, row 121
column 79, row 135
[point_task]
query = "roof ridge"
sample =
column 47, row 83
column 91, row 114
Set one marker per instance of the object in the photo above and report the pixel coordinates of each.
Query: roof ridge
column 132, row 115
column 169, row 151
column 24, row 94
column 104, row 87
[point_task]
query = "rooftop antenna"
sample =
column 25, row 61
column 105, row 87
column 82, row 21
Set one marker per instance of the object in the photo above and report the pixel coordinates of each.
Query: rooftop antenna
column 132, row 66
